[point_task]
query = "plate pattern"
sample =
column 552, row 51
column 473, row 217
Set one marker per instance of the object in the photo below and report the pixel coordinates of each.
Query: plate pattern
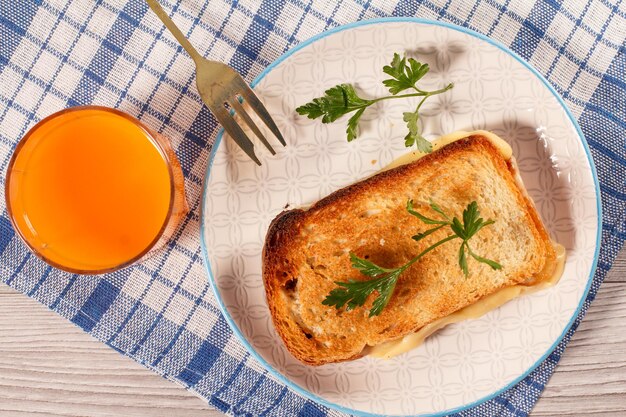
column 464, row 362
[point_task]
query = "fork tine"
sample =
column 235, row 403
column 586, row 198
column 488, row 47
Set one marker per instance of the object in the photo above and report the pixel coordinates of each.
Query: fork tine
column 247, row 93
column 235, row 132
column 244, row 115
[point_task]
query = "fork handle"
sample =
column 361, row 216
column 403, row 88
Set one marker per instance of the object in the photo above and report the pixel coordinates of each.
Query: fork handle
column 171, row 26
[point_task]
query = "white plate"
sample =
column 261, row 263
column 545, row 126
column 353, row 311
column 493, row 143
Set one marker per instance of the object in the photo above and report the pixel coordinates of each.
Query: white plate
column 466, row 363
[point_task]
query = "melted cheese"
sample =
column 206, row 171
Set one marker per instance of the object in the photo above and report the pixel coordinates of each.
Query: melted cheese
column 547, row 277
column 502, row 146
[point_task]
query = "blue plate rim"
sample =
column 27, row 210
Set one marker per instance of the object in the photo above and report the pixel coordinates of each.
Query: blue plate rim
column 295, row 387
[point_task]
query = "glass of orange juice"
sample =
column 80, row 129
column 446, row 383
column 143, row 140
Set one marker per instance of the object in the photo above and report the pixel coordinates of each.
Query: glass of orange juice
column 91, row 190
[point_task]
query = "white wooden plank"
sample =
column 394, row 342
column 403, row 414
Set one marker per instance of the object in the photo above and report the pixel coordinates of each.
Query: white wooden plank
column 591, row 377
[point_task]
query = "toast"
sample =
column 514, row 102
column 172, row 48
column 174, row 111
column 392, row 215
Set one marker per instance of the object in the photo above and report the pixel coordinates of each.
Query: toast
column 306, row 251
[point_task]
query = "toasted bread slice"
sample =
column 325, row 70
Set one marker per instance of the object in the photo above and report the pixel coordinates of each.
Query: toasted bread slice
column 305, row 252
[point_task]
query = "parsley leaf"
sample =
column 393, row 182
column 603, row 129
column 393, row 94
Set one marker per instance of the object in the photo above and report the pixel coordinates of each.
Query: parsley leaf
column 438, row 209
column 404, row 76
column 492, row 264
column 353, row 124
column 385, row 291
column 343, row 99
column 337, row 101
column 414, row 137
column 422, row 235
column 366, row 267
column 472, row 223
column 411, row 210
column 463, row 260
column 353, row 293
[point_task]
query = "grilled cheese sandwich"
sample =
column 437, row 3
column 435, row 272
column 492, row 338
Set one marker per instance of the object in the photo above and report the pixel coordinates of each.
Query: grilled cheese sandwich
column 307, row 251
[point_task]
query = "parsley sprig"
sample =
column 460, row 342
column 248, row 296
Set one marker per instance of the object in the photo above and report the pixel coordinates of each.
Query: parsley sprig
column 343, row 99
column 353, row 293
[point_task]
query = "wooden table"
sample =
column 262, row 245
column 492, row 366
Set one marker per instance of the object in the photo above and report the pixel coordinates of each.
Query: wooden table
column 48, row 367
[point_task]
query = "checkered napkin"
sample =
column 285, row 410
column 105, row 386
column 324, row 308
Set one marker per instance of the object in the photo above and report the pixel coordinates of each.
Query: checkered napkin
column 55, row 54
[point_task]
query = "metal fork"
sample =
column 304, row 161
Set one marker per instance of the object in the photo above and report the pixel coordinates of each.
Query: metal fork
column 219, row 86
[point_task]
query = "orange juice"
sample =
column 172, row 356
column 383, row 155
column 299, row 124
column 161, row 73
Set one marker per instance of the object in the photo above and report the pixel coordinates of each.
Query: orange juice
column 90, row 190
